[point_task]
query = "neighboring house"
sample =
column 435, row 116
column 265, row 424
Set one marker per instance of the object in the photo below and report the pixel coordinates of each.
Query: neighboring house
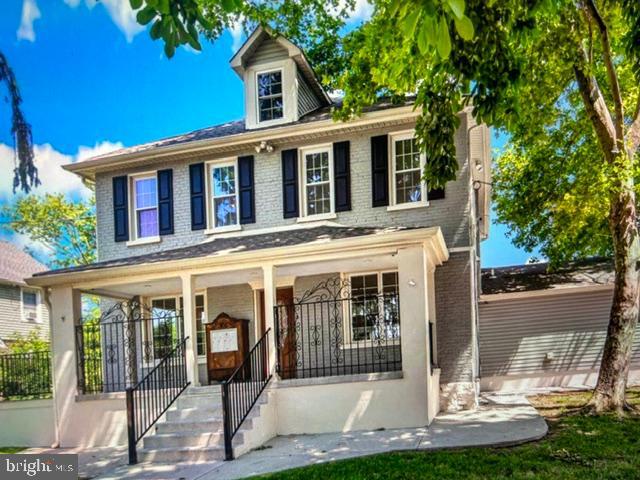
column 361, row 281
column 22, row 308
column 541, row 328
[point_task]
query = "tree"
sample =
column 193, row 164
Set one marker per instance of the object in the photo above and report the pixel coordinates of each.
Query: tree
column 530, row 68
column 25, row 173
column 65, row 228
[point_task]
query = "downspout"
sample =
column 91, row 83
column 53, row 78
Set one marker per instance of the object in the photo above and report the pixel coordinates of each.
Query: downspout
column 56, row 420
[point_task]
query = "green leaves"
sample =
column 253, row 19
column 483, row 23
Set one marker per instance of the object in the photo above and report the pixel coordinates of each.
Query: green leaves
column 145, row 15
column 443, row 41
column 464, row 27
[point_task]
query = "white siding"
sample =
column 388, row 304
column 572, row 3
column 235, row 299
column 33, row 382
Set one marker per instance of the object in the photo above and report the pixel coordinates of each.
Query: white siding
column 11, row 321
column 307, row 101
column 545, row 335
column 268, row 51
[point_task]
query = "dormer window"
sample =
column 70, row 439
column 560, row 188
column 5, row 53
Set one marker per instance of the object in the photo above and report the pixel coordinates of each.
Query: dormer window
column 270, row 99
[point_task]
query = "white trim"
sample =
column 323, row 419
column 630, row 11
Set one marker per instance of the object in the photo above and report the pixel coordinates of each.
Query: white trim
column 394, row 205
column 470, row 248
column 38, row 318
column 407, row 206
column 263, row 71
column 302, row 169
column 144, row 241
column 323, row 217
column 210, row 203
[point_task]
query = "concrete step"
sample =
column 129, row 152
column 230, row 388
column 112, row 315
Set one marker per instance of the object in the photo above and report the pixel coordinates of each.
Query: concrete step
column 194, row 414
column 204, row 390
column 200, row 426
column 186, row 454
column 204, row 401
column 180, row 440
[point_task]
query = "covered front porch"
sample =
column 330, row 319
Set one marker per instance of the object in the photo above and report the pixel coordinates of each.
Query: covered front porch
column 330, row 315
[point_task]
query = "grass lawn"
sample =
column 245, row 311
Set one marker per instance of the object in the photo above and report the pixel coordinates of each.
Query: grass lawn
column 11, row 449
column 577, row 447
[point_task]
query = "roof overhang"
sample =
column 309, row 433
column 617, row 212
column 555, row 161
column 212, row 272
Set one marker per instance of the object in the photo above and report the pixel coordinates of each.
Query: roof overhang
column 278, row 136
column 430, row 237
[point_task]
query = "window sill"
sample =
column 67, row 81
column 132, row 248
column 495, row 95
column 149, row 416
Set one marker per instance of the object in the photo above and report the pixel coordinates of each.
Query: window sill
column 369, row 344
column 230, row 228
column 317, row 218
column 407, row 206
column 144, row 241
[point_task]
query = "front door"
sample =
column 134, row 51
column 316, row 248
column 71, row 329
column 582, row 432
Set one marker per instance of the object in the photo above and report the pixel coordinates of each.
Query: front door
column 287, row 329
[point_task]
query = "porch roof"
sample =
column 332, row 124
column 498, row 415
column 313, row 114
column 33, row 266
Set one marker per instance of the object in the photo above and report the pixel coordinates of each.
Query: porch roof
column 239, row 245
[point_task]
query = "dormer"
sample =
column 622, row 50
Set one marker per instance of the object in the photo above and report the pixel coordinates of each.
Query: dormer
column 279, row 84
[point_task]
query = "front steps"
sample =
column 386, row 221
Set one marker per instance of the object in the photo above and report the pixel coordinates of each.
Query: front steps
column 192, row 429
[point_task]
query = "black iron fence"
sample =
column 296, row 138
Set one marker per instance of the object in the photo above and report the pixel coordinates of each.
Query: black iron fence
column 330, row 331
column 243, row 388
column 117, row 347
column 25, row 375
column 154, row 394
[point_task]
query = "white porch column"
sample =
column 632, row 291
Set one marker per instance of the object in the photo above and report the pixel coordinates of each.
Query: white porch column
column 269, row 280
column 412, row 279
column 190, row 327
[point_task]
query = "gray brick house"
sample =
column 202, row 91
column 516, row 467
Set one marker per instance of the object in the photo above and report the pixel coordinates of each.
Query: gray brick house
column 22, row 308
column 296, row 266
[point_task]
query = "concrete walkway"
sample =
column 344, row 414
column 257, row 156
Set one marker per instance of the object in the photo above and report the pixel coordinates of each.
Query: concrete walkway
column 500, row 421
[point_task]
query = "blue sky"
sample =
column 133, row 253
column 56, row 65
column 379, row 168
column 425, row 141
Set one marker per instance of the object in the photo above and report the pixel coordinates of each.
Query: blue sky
column 92, row 80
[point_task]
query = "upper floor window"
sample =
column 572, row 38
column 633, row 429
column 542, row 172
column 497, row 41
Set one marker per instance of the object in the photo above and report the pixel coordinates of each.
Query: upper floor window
column 270, row 99
column 30, row 305
column 407, row 165
column 224, row 195
column 317, row 173
column 145, row 203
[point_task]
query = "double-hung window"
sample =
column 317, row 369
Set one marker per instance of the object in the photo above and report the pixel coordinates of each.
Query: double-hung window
column 224, row 195
column 145, row 203
column 407, row 166
column 30, row 305
column 270, row 99
column 375, row 307
column 317, row 173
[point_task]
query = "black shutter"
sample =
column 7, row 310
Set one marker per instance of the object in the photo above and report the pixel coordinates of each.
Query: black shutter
column 165, row 201
column 121, row 208
column 342, row 176
column 290, row 183
column 198, row 207
column 435, row 194
column 246, row 190
column 380, row 170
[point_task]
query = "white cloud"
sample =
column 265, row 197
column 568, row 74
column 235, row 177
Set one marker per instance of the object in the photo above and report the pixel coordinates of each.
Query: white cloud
column 120, row 12
column 30, row 13
column 49, row 163
column 362, row 11
column 237, row 34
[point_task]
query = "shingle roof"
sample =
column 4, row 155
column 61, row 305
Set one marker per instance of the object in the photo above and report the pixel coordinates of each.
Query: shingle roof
column 237, row 244
column 16, row 265
column 238, row 127
column 537, row 276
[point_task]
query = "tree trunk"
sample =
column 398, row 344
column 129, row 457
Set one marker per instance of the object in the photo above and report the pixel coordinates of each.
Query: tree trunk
column 609, row 394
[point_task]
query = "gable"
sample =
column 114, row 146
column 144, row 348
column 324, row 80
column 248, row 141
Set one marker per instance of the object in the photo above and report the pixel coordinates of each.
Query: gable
column 268, row 51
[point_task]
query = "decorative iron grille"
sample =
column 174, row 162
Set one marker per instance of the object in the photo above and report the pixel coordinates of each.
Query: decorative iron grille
column 337, row 329
column 120, row 342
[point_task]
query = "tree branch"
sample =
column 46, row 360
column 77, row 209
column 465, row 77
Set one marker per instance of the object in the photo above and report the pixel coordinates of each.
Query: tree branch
column 592, row 11
column 596, row 107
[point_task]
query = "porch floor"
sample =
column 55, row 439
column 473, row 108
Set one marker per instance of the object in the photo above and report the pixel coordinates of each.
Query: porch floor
column 501, row 420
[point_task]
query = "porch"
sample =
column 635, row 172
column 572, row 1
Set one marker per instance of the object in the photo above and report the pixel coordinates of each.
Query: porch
column 356, row 310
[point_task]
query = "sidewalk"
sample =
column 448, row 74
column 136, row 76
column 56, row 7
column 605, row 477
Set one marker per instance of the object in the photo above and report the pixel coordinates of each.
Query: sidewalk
column 502, row 420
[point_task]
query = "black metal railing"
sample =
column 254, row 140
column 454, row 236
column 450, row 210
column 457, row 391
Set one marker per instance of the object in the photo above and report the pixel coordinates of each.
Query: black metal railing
column 118, row 347
column 154, row 394
column 242, row 390
column 25, row 375
column 338, row 334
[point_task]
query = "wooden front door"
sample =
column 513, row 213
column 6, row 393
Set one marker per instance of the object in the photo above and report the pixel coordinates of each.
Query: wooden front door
column 287, row 329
